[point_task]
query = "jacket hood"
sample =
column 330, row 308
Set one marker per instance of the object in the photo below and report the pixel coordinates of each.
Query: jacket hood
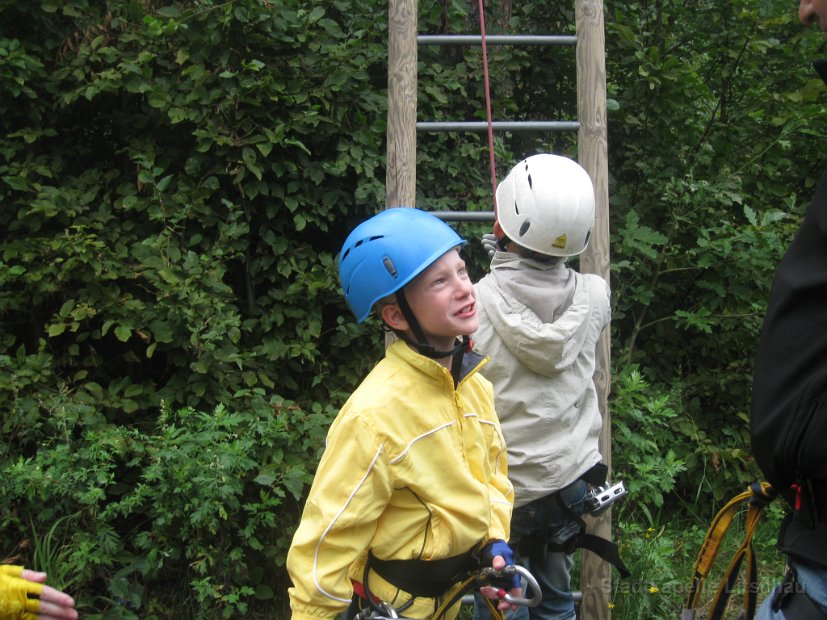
column 545, row 346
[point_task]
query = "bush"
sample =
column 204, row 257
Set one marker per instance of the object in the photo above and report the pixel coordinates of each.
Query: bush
column 217, row 492
column 176, row 180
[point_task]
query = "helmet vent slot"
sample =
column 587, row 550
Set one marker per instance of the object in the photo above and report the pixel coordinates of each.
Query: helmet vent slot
column 359, row 244
column 391, row 268
column 524, row 228
column 530, row 185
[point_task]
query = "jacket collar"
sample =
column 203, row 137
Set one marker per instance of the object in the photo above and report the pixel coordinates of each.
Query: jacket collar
column 510, row 260
column 471, row 362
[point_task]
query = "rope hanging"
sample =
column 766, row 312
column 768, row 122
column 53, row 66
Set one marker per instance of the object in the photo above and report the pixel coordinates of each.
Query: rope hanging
column 488, row 108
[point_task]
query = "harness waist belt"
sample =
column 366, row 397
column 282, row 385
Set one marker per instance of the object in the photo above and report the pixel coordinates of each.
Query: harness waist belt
column 429, row 578
column 801, row 607
column 789, row 596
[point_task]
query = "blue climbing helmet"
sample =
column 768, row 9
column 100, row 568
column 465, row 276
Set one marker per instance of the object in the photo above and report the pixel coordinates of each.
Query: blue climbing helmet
column 386, row 252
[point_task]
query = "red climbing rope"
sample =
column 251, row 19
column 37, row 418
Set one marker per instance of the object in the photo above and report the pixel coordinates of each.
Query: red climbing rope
column 488, row 108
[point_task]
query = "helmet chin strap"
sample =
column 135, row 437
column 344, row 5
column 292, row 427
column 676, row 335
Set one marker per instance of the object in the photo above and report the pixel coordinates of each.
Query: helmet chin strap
column 424, row 347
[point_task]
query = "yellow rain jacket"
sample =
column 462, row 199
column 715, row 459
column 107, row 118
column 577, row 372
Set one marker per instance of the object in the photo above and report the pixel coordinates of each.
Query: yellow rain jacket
column 412, row 469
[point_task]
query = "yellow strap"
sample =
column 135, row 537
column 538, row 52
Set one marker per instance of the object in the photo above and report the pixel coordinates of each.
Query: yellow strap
column 743, row 554
column 710, row 546
column 451, row 598
column 715, row 534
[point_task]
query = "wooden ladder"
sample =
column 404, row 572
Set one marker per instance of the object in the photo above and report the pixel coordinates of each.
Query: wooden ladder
column 403, row 41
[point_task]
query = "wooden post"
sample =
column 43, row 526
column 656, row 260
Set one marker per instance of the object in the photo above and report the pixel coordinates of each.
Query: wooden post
column 595, row 574
column 400, row 179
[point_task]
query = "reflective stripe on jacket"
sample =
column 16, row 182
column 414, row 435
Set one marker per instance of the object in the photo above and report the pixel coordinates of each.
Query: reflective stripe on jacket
column 412, row 469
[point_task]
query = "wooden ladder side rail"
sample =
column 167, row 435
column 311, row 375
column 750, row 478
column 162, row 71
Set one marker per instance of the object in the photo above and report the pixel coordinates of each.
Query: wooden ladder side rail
column 595, row 574
column 400, row 171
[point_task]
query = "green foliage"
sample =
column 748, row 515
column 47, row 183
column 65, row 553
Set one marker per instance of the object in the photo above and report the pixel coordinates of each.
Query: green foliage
column 708, row 179
column 163, row 227
column 51, row 554
column 643, row 436
column 217, row 491
column 661, row 558
column 176, row 179
column 657, row 588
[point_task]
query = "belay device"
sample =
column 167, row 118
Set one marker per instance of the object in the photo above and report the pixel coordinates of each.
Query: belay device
column 601, row 498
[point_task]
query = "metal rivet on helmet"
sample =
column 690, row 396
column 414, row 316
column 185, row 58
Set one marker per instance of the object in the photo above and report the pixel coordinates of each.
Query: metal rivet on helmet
column 389, row 266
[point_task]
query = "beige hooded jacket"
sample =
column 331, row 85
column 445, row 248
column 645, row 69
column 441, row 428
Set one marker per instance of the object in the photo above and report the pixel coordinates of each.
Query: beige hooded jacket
column 539, row 324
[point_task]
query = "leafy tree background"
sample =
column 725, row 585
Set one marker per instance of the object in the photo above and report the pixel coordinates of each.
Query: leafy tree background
column 177, row 177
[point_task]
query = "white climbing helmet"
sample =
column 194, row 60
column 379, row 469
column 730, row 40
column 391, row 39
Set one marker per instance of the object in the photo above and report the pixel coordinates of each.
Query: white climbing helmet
column 546, row 204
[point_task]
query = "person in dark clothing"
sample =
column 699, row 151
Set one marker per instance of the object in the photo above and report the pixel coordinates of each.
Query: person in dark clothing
column 789, row 405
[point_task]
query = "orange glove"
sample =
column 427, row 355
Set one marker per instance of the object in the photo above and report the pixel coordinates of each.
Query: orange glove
column 15, row 591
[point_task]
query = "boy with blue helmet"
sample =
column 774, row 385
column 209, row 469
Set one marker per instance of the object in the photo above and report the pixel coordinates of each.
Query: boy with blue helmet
column 412, row 489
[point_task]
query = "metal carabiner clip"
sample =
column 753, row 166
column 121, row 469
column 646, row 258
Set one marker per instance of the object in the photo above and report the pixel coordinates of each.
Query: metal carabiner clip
column 510, row 571
column 385, row 612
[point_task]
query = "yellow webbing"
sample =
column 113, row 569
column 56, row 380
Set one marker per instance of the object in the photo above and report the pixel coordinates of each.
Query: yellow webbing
column 455, row 593
column 758, row 495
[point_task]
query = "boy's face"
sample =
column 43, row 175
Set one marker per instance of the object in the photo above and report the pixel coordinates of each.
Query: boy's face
column 442, row 299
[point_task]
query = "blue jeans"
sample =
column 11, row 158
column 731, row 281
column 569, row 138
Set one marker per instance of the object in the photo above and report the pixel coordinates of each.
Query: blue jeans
column 552, row 572
column 814, row 582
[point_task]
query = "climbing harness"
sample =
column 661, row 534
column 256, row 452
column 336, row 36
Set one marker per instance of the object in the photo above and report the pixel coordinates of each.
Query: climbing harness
column 790, row 597
column 757, row 496
column 428, row 578
column 601, row 496
column 379, row 610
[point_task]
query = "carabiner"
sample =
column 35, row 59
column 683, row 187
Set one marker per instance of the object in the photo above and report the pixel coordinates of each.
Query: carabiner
column 509, row 571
